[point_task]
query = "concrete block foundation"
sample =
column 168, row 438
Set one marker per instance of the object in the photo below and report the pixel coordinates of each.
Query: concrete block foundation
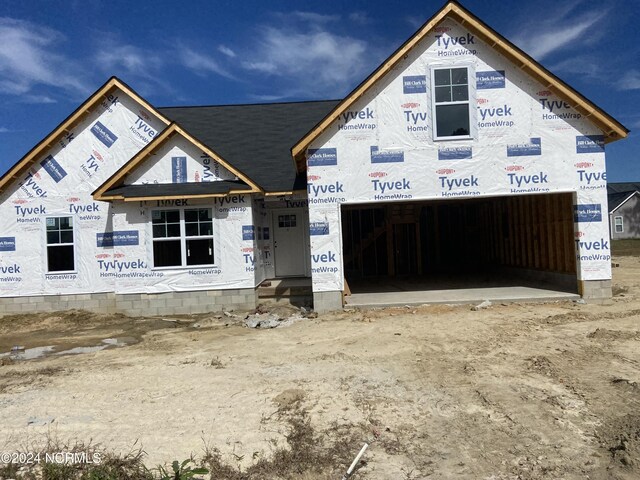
column 595, row 291
column 135, row 304
column 327, row 301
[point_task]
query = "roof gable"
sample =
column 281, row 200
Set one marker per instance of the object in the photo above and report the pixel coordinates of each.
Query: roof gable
column 142, row 170
column 611, row 128
column 618, row 199
column 66, row 127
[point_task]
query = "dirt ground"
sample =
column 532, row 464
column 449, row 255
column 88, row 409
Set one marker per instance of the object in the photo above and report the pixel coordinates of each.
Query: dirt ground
column 513, row 391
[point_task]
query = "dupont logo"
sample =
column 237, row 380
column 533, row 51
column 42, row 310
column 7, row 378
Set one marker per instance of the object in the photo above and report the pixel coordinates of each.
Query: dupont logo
column 454, row 153
column 490, row 80
column 588, row 212
column 323, row 157
column 442, row 29
column 53, row 168
column 313, row 178
column 20, row 201
column 319, row 228
column 414, row 84
column 534, row 147
column 583, row 165
column 179, row 169
column 73, row 199
column 410, row 105
column 378, row 174
column 386, row 156
column 117, row 239
column 482, row 101
column 248, row 232
column 445, row 171
column 7, row 244
column 590, row 144
column 544, row 93
column 102, row 133
column 514, row 168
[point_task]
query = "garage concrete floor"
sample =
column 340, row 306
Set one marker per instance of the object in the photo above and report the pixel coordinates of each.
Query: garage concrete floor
column 468, row 295
column 468, row 288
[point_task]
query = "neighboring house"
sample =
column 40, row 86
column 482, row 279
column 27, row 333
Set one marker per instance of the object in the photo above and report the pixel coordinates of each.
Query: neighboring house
column 459, row 154
column 624, row 210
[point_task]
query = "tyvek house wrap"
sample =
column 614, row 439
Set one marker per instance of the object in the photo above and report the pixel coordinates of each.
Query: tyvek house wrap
column 525, row 141
column 111, row 240
column 179, row 161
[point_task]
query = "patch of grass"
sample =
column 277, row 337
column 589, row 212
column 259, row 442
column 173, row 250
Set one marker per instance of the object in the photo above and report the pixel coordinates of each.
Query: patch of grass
column 90, row 462
column 306, row 455
column 626, row 248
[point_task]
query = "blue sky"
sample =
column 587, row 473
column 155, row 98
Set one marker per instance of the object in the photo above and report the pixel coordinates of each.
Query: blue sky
column 54, row 54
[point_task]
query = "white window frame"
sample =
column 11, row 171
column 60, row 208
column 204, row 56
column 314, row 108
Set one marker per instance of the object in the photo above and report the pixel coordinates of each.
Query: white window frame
column 72, row 244
column 615, row 224
column 183, row 238
column 471, row 75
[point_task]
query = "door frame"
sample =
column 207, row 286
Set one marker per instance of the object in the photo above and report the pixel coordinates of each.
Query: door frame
column 306, row 244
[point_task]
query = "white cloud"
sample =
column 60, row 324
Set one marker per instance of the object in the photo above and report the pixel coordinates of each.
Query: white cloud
column 200, row 63
column 226, row 51
column 28, row 59
column 360, row 17
column 311, row 17
column 317, row 62
column 4, row 130
column 558, row 30
column 114, row 57
column 630, row 80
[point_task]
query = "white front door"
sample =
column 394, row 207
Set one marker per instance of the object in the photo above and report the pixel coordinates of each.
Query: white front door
column 289, row 227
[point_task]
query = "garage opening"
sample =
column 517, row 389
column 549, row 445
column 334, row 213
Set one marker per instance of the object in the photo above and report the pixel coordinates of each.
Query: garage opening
column 523, row 242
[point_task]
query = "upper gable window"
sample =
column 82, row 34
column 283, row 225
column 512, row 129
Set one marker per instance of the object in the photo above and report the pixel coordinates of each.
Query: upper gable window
column 451, row 103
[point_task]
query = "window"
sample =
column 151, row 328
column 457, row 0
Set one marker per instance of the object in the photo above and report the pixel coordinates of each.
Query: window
column 182, row 237
column 60, row 249
column 618, row 224
column 286, row 221
column 451, row 103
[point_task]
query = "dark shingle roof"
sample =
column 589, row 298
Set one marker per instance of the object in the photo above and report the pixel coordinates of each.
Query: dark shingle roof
column 622, row 187
column 615, row 199
column 177, row 189
column 256, row 139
